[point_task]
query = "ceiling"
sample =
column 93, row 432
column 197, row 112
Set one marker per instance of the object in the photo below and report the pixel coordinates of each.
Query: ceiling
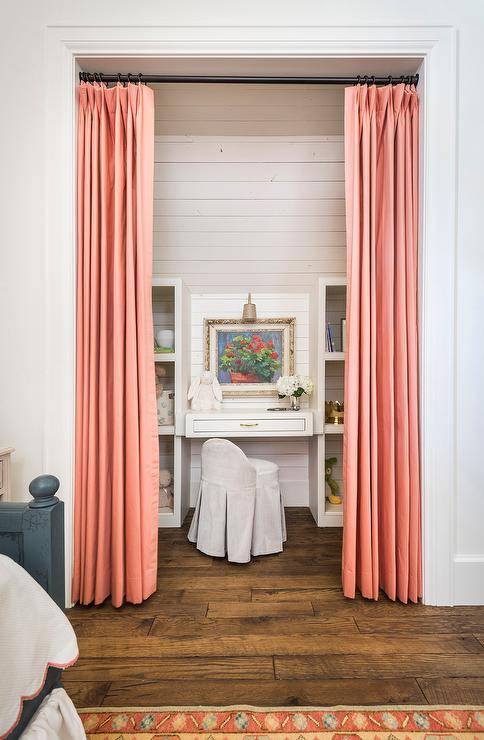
column 252, row 66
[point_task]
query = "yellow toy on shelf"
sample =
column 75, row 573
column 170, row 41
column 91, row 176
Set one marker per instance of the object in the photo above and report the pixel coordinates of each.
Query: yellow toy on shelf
column 334, row 495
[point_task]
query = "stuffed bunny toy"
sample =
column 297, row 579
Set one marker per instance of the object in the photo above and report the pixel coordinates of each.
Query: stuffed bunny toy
column 205, row 393
column 166, row 489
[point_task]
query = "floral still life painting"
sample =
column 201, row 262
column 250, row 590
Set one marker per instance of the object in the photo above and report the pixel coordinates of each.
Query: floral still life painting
column 249, row 359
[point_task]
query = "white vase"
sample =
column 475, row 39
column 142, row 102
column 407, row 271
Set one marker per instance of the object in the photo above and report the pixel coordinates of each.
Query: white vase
column 165, row 338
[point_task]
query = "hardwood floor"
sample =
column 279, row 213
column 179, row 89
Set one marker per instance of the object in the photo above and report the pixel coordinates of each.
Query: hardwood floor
column 274, row 632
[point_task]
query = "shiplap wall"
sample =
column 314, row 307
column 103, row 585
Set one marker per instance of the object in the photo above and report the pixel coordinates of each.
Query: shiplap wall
column 290, row 454
column 249, row 186
column 229, row 306
column 249, row 195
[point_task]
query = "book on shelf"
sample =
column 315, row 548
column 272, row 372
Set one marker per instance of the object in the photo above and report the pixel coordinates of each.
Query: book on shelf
column 329, row 339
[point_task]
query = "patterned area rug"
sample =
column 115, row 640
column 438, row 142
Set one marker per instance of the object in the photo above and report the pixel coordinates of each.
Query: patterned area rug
column 249, row 723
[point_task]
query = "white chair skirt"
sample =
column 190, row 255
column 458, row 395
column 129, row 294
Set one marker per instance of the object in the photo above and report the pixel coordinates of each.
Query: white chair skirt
column 239, row 510
column 269, row 531
column 222, row 522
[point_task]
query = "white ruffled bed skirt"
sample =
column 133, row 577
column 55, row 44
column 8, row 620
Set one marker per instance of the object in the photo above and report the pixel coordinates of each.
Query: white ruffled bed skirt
column 55, row 719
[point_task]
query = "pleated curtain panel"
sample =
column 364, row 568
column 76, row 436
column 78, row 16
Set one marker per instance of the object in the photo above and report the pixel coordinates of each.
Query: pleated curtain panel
column 382, row 519
column 116, row 460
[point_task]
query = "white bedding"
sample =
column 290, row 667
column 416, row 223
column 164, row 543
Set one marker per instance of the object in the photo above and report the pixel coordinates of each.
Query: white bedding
column 55, row 719
column 34, row 634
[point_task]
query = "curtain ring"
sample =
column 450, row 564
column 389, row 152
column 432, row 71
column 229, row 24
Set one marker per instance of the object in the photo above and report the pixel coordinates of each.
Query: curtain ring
column 402, row 79
column 140, row 76
column 390, row 80
column 101, row 81
column 373, row 79
column 129, row 77
column 119, row 78
column 358, row 80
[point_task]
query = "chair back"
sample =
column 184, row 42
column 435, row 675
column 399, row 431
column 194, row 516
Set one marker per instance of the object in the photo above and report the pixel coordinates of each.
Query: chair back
column 224, row 464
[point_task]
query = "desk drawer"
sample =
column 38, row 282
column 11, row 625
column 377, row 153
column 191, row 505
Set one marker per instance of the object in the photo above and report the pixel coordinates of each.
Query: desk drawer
column 249, row 426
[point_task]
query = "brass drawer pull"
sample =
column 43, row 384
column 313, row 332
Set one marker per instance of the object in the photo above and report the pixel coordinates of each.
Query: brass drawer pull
column 249, row 425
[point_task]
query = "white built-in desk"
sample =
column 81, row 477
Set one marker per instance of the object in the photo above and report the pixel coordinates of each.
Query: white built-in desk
column 248, row 423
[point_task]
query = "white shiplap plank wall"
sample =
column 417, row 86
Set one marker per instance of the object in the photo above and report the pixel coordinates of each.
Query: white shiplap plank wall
column 249, row 194
column 290, row 454
column 249, row 186
column 229, row 305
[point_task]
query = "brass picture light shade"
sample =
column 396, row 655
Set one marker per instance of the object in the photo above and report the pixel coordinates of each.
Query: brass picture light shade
column 249, row 313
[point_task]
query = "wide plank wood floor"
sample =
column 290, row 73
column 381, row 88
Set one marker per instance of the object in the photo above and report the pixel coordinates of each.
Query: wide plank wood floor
column 274, row 632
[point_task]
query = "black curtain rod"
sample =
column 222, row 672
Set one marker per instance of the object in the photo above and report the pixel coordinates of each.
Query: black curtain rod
column 247, row 79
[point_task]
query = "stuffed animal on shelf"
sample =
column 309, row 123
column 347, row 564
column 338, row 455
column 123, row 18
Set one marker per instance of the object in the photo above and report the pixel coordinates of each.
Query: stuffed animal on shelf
column 205, row 393
column 333, row 496
column 160, row 373
column 166, row 490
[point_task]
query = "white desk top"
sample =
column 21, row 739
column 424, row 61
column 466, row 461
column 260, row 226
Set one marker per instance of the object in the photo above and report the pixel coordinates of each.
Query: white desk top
column 237, row 411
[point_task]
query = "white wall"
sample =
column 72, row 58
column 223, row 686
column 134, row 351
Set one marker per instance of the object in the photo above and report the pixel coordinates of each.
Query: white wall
column 291, row 455
column 22, row 128
column 249, row 186
column 249, row 192
column 229, row 305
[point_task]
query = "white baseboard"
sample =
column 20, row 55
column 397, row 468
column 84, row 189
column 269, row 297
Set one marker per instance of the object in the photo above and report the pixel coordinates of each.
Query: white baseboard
column 468, row 580
column 294, row 493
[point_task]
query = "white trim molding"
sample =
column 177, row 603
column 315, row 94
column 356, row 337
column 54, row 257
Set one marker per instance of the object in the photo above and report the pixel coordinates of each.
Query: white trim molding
column 469, row 579
column 436, row 47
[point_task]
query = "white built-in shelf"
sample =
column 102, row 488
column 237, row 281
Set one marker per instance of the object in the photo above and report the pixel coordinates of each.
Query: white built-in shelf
column 334, row 428
column 330, row 370
column 166, row 430
column 165, row 356
column 172, row 310
column 333, row 508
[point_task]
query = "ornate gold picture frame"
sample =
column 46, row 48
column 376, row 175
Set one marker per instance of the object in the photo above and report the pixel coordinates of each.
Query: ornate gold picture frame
column 248, row 358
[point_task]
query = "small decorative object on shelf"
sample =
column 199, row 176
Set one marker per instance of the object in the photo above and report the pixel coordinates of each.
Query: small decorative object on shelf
column 343, row 335
column 205, row 393
column 333, row 495
column 160, row 373
column 334, row 412
column 294, row 386
column 166, row 490
column 165, row 407
column 165, row 340
column 330, row 346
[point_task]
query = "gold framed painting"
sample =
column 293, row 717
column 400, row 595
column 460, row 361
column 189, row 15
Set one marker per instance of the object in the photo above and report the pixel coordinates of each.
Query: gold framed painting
column 248, row 359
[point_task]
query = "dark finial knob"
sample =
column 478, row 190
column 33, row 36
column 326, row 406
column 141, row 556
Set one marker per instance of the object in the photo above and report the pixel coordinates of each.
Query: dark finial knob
column 43, row 489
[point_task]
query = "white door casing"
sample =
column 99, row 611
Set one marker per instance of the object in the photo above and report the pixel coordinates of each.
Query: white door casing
column 436, row 46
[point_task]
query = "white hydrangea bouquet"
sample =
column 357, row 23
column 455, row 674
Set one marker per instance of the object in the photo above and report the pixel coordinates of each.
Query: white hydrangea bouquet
column 294, row 386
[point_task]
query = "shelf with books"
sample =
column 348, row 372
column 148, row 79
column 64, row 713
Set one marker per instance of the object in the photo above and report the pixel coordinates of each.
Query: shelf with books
column 329, row 401
column 171, row 329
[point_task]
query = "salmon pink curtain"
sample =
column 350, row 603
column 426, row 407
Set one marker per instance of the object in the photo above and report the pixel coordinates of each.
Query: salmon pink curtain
column 116, row 462
column 381, row 541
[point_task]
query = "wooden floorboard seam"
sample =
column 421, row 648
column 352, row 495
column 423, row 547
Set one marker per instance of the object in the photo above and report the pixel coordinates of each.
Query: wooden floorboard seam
column 273, row 632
